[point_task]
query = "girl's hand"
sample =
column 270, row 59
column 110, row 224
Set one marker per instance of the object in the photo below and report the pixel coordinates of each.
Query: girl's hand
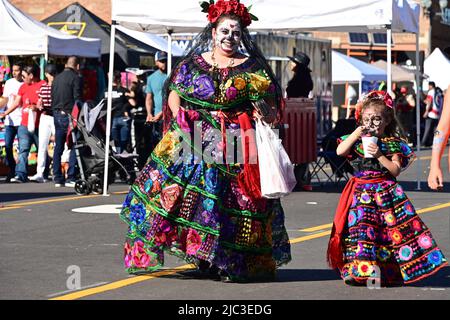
column 374, row 150
column 359, row 131
column 435, row 178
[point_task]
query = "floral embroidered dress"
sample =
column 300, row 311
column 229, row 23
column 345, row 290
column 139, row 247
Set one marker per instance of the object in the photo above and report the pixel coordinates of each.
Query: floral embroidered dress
column 197, row 209
column 383, row 228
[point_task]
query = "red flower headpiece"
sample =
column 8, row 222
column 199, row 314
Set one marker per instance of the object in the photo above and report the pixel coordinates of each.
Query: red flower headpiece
column 381, row 95
column 375, row 94
column 221, row 7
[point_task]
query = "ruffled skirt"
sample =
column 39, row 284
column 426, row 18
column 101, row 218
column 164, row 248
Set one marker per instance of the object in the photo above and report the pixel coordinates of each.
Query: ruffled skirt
column 385, row 238
column 196, row 210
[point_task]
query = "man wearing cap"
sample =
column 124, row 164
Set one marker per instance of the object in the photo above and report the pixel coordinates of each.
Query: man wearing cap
column 153, row 100
column 301, row 83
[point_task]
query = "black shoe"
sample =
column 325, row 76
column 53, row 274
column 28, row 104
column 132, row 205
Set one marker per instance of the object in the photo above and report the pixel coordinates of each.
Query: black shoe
column 207, row 270
column 225, row 277
column 350, row 281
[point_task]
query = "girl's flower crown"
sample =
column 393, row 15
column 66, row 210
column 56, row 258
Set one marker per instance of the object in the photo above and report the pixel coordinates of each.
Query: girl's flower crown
column 374, row 95
column 215, row 10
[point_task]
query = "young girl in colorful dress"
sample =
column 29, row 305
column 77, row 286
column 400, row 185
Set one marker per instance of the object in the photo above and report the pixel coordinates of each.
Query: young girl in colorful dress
column 376, row 231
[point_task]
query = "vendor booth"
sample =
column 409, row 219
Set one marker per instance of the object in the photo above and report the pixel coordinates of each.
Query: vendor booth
column 22, row 35
column 129, row 47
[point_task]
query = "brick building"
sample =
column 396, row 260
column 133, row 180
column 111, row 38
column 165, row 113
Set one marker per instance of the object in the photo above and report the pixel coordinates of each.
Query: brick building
column 41, row 9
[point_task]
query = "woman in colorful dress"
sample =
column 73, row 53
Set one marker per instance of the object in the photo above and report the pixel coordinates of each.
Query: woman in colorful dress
column 377, row 233
column 210, row 213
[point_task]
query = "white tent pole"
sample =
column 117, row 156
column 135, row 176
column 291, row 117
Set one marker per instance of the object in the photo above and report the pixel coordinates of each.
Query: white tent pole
column 360, row 88
column 45, row 57
column 46, row 49
column 418, row 94
column 109, row 106
column 389, row 59
column 169, row 51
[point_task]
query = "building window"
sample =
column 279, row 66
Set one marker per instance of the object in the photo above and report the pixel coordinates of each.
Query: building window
column 358, row 38
column 380, row 39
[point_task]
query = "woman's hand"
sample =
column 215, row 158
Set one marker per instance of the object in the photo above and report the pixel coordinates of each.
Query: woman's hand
column 435, row 178
column 374, row 150
column 270, row 118
column 174, row 102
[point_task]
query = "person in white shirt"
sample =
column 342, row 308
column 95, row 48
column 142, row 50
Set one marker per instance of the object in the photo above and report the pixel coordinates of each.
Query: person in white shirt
column 46, row 125
column 431, row 114
column 12, row 120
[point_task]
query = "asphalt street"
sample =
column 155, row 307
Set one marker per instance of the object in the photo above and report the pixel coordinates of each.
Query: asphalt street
column 44, row 243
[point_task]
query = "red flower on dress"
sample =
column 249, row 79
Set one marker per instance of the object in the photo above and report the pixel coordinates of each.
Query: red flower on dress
column 170, row 197
column 127, row 255
column 193, row 242
column 140, row 257
column 166, row 234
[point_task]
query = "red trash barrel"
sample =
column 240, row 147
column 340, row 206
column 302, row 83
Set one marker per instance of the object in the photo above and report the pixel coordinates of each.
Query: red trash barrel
column 300, row 138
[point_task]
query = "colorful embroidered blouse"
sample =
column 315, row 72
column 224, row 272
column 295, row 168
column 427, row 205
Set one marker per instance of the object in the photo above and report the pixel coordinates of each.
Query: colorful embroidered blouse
column 389, row 146
column 224, row 88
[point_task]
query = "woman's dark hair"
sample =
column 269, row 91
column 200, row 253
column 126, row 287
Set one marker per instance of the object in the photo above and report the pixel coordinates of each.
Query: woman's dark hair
column 393, row 128
column 51, row 69
column 117, row 77
column 34, row 70
column 203, row 43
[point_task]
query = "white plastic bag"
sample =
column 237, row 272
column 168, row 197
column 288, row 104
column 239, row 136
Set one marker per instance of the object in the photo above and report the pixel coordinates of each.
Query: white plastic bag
column 275, row 168
column 31, row 121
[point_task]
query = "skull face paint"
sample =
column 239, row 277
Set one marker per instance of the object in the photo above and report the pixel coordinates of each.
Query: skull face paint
column 373, row 122
column 227, row 36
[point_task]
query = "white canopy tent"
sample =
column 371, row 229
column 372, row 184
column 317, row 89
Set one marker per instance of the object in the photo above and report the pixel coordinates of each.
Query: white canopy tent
column 22, row 35
column 437, row 68
column 348, row 69
column 154, row 41
column 399, row 73
column 289, row 15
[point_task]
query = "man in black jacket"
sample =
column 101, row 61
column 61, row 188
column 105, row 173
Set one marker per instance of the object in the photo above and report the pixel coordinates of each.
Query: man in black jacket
column 65, row 92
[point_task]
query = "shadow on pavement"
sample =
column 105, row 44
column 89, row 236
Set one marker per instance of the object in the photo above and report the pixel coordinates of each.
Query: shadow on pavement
column 441, row 279
column 17, row 196
column 283, row 275
column 299, row 275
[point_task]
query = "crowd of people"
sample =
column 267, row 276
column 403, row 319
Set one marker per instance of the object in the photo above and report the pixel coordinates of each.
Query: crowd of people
column 430, row 110
column 36, row 111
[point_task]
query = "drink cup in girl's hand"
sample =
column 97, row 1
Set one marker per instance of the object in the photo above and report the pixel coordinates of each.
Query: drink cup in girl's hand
column 366, row 141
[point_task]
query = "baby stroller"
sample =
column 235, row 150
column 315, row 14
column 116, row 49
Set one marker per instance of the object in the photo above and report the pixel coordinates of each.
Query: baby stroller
column 87, row 132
